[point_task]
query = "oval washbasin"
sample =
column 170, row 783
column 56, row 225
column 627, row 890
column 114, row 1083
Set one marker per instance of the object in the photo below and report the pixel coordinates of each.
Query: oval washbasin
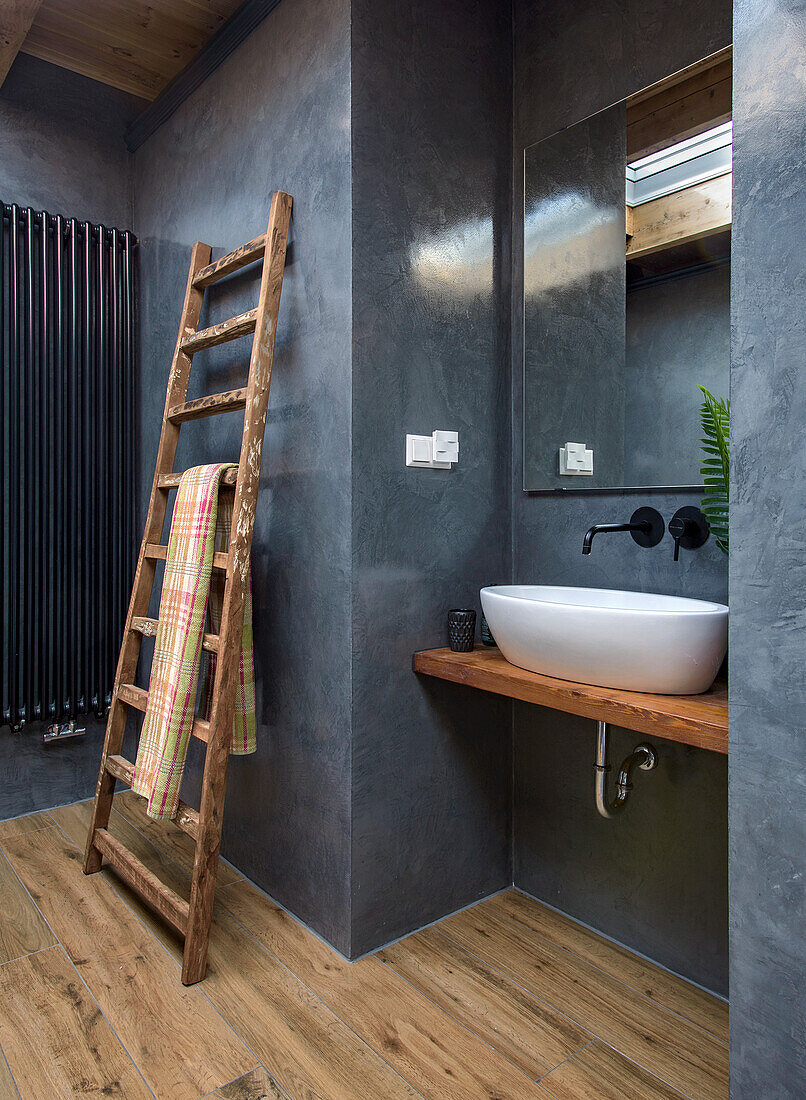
column 632, row 640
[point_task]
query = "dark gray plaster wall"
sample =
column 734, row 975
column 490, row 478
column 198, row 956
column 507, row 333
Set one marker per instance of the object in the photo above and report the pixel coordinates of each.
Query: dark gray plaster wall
column 571, row 60
column 678, row 337
column 431, row 761
column 35, row 777
column 768, row 540
column 61, row 143
column 275, row 115
column 61, row 150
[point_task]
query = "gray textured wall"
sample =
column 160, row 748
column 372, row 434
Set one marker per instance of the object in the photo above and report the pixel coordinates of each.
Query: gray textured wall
column 572, row 60
column 275, row 115
column 431, row 762
column 61, row 143
column 768, row 538
column 61, row 150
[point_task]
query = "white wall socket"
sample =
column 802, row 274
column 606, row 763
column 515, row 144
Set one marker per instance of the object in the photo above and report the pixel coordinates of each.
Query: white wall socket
column 437, row 451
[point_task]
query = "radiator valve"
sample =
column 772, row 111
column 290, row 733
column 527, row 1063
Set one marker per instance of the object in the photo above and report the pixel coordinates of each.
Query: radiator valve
column 61, row 732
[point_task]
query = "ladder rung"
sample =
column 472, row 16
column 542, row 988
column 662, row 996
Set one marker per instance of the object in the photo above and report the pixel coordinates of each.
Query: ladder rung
column 233, row 261
column 133, row 696
column 230, row 329
column 148, row 628
column 171, row 481
column 121, row 768
column 156, row 551
column 137, row 697
column 229, row 401
column 186, row 817
column 165, row 900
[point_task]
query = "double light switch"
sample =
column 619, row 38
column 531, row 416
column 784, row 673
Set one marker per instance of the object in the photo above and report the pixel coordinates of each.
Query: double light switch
column 437, row 451
column 576, row 460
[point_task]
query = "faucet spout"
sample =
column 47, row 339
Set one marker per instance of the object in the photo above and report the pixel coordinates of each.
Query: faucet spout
column 602, row 528
column 646, row 527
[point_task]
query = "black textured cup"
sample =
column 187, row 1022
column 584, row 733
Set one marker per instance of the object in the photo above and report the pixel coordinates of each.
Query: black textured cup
column 461, row 630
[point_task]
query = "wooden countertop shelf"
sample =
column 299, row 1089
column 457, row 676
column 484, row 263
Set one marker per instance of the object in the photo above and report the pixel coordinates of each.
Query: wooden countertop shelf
column 700, row 720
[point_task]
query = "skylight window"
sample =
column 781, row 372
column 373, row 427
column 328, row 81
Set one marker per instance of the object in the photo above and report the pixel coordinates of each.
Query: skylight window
column 680, row 165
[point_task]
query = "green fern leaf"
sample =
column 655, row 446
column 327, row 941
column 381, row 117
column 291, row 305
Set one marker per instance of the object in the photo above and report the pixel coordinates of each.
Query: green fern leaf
column 715, row 465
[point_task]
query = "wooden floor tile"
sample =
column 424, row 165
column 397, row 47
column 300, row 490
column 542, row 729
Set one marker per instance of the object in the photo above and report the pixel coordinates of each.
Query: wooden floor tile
column 74, row 820
column 256, row 1085
column 177, row 845
column 667, row 989
column 430, row 1049
column 22, row 929
column 57, row 1043
column 180, row 1043
column 307, row 1049
column 600, row 1072
column 525, row 1030
column 681, row 1054
column 8, row 1090
column 16, row 825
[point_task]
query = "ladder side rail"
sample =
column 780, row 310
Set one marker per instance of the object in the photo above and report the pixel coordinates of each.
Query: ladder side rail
column 178, row 380
column 230, row 634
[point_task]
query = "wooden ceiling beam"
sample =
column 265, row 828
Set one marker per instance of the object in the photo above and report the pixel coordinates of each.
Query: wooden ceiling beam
column 16, row 17
column 697, row 211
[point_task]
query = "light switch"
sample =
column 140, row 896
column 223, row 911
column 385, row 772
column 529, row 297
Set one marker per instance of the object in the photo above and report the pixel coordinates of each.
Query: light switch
column 446, row 446
column 421, row 448
column 434, row 452
column 576, row 460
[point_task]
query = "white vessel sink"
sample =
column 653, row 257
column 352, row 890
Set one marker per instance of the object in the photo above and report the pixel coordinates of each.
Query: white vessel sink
column 631, row 640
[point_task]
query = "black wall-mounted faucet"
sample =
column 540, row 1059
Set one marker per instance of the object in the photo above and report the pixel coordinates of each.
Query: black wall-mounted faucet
column 689, row 529
column 646, row 527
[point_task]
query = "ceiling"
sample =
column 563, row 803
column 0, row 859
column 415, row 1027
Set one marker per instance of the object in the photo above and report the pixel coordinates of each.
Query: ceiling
column 133, row 45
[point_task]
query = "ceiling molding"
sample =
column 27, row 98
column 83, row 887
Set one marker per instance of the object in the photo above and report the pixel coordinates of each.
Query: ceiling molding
column 212, row 54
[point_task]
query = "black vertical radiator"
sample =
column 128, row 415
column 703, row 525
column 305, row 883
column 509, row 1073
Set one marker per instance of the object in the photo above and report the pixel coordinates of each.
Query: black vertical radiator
column 67, row 469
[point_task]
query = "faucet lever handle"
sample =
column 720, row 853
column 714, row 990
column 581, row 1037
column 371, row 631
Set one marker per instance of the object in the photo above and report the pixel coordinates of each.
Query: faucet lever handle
column 689, row 529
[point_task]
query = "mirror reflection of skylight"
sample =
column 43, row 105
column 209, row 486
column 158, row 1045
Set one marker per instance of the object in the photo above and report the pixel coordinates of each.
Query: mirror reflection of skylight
column 694, row 160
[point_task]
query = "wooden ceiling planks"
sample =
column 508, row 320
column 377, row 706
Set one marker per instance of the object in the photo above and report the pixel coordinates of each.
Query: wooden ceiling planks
column 16, row 17
column 132, row 45
column 680, row 106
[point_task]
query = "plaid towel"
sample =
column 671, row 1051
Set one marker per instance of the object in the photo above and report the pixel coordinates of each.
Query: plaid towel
column 195, row 533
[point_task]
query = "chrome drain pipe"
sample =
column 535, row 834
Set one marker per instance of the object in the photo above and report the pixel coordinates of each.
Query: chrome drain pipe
column 642, row 756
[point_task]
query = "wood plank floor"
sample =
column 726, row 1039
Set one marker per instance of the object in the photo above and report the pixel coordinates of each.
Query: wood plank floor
column 507, row 1000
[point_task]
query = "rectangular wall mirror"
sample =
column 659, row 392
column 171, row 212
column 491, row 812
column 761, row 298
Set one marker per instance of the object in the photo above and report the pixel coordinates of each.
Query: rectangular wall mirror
column 626, row 295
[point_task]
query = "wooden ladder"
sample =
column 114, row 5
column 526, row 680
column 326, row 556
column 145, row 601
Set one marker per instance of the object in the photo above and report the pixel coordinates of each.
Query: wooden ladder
column 192, row 919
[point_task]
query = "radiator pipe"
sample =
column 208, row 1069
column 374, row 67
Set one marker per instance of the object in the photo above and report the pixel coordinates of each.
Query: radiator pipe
column 61, row 537
column 74, row 511
column 91, row 426
column 47, row 464
column 29, row 490
column 4, row 472
column 129, row 398
column 15, row 470
column 643, row 756
column 112, row 439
